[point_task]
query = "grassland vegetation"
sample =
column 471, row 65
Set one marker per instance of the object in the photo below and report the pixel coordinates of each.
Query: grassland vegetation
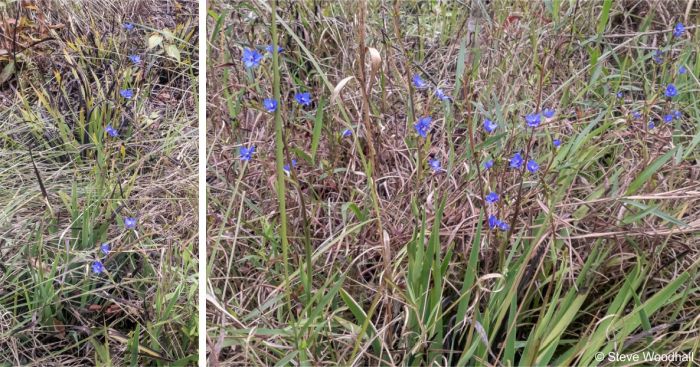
column 98, row 185
column 453, row 183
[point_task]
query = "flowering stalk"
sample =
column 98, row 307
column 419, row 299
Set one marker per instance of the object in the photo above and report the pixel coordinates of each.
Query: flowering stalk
column 279, row 154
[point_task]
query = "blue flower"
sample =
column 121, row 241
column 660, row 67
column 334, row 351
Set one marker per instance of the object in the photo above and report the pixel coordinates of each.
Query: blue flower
column 658, row 56
column 136, row 59
column 668, row 118
column 303, row 99
column 493, row 221
column 435, row 165
column 497, row 223
column 423, row 126
column 418, row 82
column 651, row 124
column 270, row 105
column 556, row 143
column 671, row 91
column 126, row 93
column 636, row 115
column 488, row 164
column 677, row 114
column 441, row 95
column 286, row 166
column 620, row 94
column 682, row 70
column 105, row 248
column 128, row 26
column 346, row 133
column 491, row 198
column 533, row 119
column 97, row 267
column 269, row 49
column 548, row 113
column 532, row 166
column 678, row 30
column 251, row 58
column 129, row 222
column 489, row 126
column 111, row 131
column 516, row 161
column 247, row 153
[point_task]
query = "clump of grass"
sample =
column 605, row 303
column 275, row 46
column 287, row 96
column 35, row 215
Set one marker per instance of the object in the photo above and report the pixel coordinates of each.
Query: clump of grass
column 98, row 190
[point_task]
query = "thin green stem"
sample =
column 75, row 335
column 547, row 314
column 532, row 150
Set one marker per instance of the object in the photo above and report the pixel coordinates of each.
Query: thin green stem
column 279, row 152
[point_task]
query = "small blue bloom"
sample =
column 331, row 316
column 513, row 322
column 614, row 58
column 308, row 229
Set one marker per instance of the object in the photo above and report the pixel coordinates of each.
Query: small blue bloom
column 493, row 221
column 556, row 143
column 548, row 113
column 441, row 95
column 247, row 153
column 347, row 132
column 497, row 223
column 128, row 26
column 269, row 49
column 516, row 161
column 105, row 248
column 418, row 82
column 658, row 56
column 677, row 114
column 682, row 70
column 435, row 165
column 303, row 99
column 620, row 94
column 270, row 105
column 488, row 164
column 671, row 91
column 127, row 93
column 668, row 118
column 129, row 222
column 136, row 59
column 97, row 267
column 111, row 131
column 636, row 115
column 678, row 30
column 490, row 126
column 286, row 166
column 533, row 119
column 532, row 166
column 491, row 198
column 251, row 58
column 651, row 124
column 423, row 126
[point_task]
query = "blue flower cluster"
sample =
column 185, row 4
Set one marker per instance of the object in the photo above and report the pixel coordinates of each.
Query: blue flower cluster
column 421, row 84
column 252, row 59
column 670, row 90
column 517, row 160
column 105, row 248
column 129, row 222
column 495, row 223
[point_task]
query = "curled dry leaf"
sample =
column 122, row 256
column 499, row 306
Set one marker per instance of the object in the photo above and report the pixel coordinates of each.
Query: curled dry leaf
column 375, row 61
column 339, row 87
column 480, row 282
